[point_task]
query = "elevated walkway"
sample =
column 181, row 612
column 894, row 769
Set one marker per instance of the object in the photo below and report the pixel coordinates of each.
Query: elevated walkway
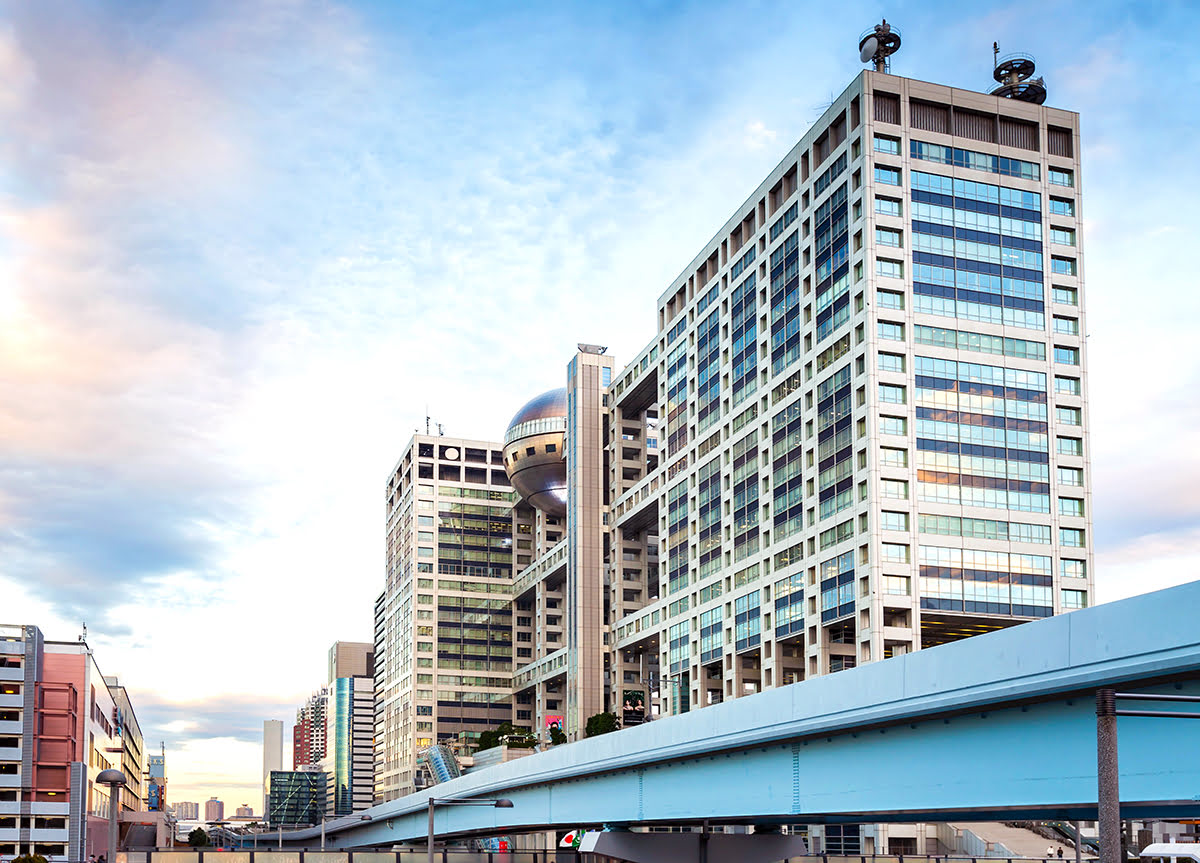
column 999, row 727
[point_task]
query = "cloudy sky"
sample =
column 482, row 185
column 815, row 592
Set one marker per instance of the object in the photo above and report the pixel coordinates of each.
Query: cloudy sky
column 244, row 245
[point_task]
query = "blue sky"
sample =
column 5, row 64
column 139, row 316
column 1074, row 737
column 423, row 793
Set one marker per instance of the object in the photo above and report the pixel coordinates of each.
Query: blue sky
column 244, row 245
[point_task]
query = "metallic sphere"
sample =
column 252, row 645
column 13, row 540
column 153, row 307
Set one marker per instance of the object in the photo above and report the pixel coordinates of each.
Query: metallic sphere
column 533, row 452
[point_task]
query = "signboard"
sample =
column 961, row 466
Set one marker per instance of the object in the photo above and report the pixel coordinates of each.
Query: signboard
column 633, row 707
column 555, row 720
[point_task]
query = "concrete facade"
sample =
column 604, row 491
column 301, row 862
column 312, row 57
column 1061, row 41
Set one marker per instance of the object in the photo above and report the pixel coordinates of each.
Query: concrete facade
column 61, row 723
column 272, row 758
column 351, row 659
column 443, row 623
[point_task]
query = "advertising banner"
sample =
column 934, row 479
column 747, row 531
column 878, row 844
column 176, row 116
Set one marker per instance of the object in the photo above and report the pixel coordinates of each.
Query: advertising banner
column 633, row 707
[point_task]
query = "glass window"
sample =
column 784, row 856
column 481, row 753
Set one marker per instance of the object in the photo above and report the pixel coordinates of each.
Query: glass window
column 896, row 585
column 890, row 299
column 1071, row 537
column 1062, row 207
column 890, row 269
column 888, row 237
column 1070, row 326
column 884, row 144
column 1070, row 446
column 1062, row 236
column 889, row 176
column 1070, row 476
column 1070, row 506
column 1066, row 296
column 893, row 457
column 1068, row 356
column 891, row 362
column 893, row 426
column 894, row 520
column 1069, row 416
column 891, row 331
column 1072, row 568
column 1061, row 177
column 1063, row 266
column 894, row 552
column 1070, row 386
column 891, row 393
column 1074, row 599
column 888, row 207
column 896, row 489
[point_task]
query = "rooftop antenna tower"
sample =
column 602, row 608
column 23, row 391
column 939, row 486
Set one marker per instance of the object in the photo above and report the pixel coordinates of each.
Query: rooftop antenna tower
column 1014, row 74
column 877, row 44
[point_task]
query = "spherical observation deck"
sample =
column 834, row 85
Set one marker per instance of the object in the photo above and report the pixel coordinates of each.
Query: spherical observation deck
column 534, row 451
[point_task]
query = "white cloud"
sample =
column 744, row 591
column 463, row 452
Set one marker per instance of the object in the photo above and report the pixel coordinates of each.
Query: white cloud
column 758, row 135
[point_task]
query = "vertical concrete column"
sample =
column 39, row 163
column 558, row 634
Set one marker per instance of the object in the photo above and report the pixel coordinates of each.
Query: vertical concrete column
column 1108, row 796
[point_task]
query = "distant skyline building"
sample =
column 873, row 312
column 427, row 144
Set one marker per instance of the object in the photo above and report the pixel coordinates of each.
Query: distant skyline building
column 186, row 810
column 156, row 785
column 308, row 734
column 214, row 810
column 350, row 760
column 443, row 623
column 64, row 723
column 350, row 659
column 272, row 757
column 245, row 811
column 297, row 797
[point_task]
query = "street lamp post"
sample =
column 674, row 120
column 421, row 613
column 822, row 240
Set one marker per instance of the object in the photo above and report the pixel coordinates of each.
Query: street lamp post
column 502, row 803
column 115, row 780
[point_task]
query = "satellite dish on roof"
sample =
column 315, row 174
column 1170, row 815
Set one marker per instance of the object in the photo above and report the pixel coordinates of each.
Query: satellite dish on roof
column 869, row 47
column 877, row 44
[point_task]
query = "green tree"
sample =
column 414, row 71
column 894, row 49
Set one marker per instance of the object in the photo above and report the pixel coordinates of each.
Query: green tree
column 29, row 858
column 505, row 734
column 601, row 723
column 557, row 736
column 198, row 838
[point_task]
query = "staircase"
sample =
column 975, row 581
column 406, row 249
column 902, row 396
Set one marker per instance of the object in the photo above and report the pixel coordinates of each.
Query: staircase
column 1004, row 840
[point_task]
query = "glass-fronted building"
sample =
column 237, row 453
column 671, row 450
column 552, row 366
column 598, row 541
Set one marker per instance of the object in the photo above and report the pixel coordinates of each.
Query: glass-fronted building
column 443, row 624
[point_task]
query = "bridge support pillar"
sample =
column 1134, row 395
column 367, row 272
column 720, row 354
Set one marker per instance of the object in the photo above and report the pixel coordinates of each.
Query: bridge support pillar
column 689, row 847
column 1108, row 797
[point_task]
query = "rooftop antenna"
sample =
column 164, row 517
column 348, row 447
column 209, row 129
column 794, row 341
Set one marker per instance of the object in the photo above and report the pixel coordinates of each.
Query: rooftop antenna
column 83, row 635
column 426, row 419
column 440, row 431
column 877, row 44
column 1014, row 74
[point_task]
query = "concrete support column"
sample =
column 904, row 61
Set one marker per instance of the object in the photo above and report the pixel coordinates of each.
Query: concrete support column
column 1108, row 796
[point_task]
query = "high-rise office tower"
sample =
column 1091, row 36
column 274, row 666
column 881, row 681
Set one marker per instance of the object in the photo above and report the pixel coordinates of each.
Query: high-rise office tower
column 873, row 385
column 186, row 810
column 272, row 758
column 554, row 451
column 860, row 428
column 350, row 659
column 443, row 624
column 349, row 761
